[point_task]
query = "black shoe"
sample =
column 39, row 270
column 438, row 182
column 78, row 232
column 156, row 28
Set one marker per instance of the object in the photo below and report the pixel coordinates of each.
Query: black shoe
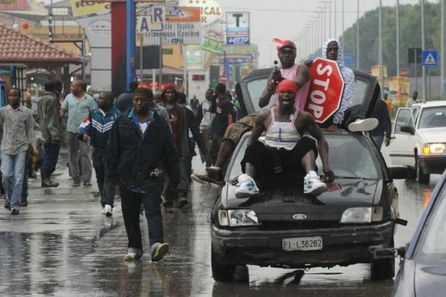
column 14, row 212
column 24, row 203
column 87, row 184
column 182, row 202
column 168, row 204
column 215, row 173
column 49, row 184
column 7, row 205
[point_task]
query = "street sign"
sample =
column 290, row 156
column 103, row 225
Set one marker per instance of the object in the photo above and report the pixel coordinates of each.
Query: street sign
column 429, row 57
column 237, row 28
column 326, row 89
column 414, row 55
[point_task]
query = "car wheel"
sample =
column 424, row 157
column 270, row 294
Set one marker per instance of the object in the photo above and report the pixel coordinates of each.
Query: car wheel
column 412, row 173
column 221, row 272
column 383, row 269
column 423, row 178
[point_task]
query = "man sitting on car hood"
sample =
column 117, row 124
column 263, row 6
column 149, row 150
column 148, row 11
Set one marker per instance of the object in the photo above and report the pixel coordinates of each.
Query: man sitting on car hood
column 286, row 155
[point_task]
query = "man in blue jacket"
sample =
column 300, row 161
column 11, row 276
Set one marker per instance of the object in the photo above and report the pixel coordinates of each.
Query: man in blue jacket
column 95, row 129
column 140, row 148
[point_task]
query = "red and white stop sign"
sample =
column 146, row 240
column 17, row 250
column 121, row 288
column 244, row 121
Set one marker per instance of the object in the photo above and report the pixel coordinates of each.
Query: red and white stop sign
column 326, row 88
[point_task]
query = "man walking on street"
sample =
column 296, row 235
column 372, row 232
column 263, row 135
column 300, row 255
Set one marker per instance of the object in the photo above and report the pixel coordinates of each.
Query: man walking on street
column 125, row 100
column 224, row 116
column 17, row 123
column 95, row 130
column 78, row 104
column 178, row 123
column 48, row 110
column 384, row 128
column 205, row 116
column 139, row 149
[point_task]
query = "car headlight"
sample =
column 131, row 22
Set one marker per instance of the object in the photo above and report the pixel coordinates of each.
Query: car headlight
column 434, row 148
column 356, row 215
column 237, row 217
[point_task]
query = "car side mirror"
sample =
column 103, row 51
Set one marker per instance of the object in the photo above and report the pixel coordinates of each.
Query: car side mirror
column 398, row 171
column 408, row 129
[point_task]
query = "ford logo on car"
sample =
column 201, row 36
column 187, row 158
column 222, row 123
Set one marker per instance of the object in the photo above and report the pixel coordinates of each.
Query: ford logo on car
column 299, row 216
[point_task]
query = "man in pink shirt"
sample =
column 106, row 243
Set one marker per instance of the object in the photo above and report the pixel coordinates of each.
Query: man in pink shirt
column 286, row 51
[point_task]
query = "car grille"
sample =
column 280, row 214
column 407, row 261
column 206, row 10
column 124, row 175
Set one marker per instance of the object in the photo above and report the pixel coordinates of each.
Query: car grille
column 288, row 225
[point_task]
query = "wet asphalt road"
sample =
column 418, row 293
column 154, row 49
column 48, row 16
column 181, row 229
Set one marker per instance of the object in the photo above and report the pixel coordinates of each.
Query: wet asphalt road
column 61, row 245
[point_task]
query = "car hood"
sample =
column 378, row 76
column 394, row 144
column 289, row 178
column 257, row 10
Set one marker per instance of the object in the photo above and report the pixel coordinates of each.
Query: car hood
column 430, row 279
column 432, row 135
column 342, row 194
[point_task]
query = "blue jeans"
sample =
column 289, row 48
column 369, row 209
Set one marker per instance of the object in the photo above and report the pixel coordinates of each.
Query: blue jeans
column 13, row 171
column 131, row 205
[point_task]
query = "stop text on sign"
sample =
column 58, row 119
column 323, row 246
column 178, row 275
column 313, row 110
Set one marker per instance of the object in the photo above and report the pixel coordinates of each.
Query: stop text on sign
column 326, row 89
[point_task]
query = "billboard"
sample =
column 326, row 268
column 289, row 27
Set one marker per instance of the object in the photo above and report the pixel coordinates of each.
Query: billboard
column 237, row 28
column 170, row 25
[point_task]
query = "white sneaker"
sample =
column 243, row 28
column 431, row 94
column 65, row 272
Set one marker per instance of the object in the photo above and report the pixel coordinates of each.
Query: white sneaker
column 313, row 184
column 363, row 125
column 108, row 210
column 133, row 254
column 247, row 187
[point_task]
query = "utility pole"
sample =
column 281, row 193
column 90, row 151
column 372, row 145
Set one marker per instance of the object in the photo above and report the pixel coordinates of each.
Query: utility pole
column 357, row 34
column 130, row 41
column 380, row 44
column 443, row 49
column 397, row 37
column 50, row 23
column 423, row 47
column 342, row 26
column 335, row 19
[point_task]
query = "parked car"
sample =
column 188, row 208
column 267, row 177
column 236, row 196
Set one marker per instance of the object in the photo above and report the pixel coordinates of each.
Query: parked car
column 422, row 272
column 419, row 139
column 351, row 223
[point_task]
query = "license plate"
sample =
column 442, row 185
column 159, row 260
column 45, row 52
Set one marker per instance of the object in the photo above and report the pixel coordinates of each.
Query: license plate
column 302, row 244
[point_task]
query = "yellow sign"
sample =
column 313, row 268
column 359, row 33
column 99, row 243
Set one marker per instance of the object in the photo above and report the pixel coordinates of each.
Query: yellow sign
column 80, row 7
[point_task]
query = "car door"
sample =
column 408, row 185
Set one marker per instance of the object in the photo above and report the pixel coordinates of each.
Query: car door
column 401, row 148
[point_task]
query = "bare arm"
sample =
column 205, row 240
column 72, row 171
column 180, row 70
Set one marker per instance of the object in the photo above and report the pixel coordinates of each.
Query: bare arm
column 259, row 126
column 302, row 75
column 322, row 144
column 270, row 87
column 62, row 113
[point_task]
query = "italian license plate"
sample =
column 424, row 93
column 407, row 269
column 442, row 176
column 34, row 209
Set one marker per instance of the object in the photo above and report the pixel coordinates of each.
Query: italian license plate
column 302, row 244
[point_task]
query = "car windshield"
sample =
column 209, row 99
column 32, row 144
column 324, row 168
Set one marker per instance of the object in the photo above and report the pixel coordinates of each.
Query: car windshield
column 349, row 157
column 433, row 242
column 256, row 87
column 433, row 117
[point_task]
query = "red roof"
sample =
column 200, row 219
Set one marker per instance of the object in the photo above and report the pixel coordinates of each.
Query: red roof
column 16, row 47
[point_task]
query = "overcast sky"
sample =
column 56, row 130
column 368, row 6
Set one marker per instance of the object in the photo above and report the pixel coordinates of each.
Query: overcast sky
column 285, row 18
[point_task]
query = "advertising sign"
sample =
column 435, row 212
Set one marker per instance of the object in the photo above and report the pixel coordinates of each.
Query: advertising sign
column 326, row 89
column 237, row 28
column 81, row 8
column 163, row 25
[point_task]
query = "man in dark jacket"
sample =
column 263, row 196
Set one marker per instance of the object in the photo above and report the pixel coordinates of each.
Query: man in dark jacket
column 140, row 148
column 384, row 128
column 178, row 122
column 48, row 110
column 95, row 129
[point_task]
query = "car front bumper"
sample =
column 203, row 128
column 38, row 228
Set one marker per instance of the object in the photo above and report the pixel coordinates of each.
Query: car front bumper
column 341, row 246
column 433, row 164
